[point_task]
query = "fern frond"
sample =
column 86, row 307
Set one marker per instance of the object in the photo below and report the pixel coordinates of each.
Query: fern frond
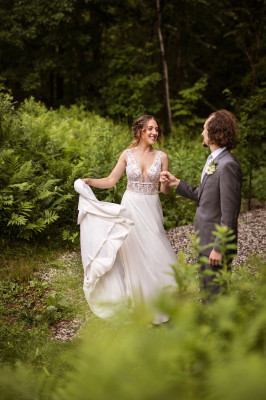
column 49, row 217
column 6, row 199
column 11, row 162
column 59, row 203
column 76, row 172
column 25, row 173
column 36, row 227
column 48, row 185
column 44, row 194
column 10, row 165
column 17, row 220
column 8, row 202
column 6, row 153
column 24, row 186
column 26, row 207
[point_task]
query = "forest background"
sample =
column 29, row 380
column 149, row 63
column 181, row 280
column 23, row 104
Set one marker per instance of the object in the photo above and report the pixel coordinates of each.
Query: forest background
column 74, row 75
column 87, row 69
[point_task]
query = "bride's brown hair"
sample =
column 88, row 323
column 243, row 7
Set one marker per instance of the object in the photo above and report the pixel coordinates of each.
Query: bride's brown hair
column 140, row 125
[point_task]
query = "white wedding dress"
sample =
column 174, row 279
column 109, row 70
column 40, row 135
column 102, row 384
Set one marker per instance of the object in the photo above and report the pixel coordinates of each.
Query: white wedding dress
column 125, row 250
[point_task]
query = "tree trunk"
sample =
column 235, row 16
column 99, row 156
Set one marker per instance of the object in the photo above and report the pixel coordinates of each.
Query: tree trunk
column 164, row 62
column 59, row 87
column 249, row 189
column 51, row 88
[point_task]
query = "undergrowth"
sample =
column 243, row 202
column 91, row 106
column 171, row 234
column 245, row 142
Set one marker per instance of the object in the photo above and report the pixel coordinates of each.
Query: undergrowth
column 39, row 288
column 42, row 153
column 211, row 351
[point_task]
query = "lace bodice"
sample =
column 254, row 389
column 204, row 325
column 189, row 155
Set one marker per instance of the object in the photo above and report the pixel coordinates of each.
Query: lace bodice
column 136, row 182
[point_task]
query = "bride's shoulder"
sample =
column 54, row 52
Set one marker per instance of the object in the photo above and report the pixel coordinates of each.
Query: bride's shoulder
column 128, row 151
column 123, row 155
column 164, row 156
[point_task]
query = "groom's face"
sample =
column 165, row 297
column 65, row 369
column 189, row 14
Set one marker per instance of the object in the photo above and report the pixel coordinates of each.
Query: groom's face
column 205, row 142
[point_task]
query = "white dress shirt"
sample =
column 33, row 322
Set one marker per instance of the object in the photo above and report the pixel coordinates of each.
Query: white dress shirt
column 216, row 152
column 211, row 157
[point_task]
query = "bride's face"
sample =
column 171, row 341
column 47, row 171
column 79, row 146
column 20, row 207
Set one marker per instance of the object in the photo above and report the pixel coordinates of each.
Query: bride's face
column 150, row 133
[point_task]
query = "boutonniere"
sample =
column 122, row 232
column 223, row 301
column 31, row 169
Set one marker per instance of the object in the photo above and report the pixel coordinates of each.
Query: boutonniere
column 211, row 168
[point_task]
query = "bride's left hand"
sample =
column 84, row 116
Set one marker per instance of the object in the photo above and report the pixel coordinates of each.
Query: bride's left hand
column 164, row 178
column 168, row 179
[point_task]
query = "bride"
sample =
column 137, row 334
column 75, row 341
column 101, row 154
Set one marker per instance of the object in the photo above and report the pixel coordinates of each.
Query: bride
column 132, row 258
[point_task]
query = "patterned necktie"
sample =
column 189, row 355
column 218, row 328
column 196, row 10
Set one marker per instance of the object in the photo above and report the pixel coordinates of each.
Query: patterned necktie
column 209, row 159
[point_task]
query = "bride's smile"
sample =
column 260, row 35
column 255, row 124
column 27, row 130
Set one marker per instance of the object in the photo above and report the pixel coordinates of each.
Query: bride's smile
column 150, row 133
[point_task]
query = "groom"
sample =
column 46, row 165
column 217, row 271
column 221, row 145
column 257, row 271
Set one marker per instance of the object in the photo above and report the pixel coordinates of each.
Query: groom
column 218, row 196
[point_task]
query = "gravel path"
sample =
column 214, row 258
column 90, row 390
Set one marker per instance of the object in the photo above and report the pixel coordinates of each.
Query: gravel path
column 251, row 236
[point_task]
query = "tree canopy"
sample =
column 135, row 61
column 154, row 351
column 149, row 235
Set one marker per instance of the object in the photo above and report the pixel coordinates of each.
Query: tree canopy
column 107, row 55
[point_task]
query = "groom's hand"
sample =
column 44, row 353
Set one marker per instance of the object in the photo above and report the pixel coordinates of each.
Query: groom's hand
column 215, row 257
column 169, row 179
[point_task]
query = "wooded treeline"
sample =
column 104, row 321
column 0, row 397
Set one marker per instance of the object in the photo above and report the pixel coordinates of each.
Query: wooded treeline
column 107, row 54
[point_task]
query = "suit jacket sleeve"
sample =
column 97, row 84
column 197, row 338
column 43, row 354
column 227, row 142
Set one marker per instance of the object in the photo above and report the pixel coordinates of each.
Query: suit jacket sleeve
column 188, row 191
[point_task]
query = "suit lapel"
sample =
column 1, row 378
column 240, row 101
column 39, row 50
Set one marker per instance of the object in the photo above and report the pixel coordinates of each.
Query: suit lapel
column 204, row 180
column 206, row 176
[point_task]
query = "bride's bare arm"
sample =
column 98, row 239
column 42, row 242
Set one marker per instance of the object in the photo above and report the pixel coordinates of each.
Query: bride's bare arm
column 113, row 178
column 165, row 167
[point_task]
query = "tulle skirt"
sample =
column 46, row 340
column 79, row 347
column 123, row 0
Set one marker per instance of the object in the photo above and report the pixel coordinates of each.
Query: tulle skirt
column 125, row 251
column 146, row 253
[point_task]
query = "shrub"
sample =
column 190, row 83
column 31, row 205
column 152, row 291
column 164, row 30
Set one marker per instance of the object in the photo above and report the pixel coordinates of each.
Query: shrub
column 43, row 153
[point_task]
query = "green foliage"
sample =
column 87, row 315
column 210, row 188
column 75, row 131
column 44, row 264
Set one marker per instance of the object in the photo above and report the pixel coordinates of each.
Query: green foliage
column 213, row 351
column 206, row 351
column 29, row 384
column 107, row 55
column 44, row 152
column 29, row 202
column 131, row 87
column 7, row 112
column 252, row 137
column 184, row 274
column 32, row 305
column 185, row 106
column 181, row 359
column 224, row 243
column 251, row 148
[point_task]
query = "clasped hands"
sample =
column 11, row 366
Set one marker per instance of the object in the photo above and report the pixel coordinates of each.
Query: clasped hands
column 168, row 179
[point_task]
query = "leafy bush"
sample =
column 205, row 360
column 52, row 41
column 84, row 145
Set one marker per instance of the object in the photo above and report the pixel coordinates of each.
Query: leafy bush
column 251, row 148
column 184, row 107
column 43, row 153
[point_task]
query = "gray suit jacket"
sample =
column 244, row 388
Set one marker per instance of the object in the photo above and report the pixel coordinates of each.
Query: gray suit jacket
column 218, row 198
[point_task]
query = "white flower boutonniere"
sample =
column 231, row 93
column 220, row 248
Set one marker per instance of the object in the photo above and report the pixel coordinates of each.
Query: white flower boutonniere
column 211, row 168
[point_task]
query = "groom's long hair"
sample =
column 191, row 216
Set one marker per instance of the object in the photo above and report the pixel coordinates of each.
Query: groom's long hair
column 222, row 129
